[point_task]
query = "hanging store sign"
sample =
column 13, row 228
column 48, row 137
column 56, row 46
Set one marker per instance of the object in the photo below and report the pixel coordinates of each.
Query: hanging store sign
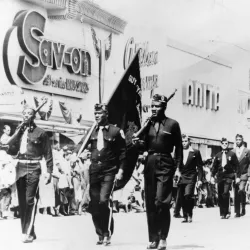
column 41, row 57
column 201, row 95
column 146, row 57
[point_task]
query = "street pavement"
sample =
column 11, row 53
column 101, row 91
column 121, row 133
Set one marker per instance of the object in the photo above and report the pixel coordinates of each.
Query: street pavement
column 207, row 232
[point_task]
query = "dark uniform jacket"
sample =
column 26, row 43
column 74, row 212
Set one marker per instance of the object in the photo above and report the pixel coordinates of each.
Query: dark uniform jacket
column 113, row 155
column 38, row 146
column 244, row 164
column 192, row 168
column 229, row 169
column 165, row 139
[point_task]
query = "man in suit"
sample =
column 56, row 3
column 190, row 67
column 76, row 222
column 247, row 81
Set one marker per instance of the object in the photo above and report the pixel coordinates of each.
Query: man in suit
column 225, row 165
column 243, row 176
column 190, row 169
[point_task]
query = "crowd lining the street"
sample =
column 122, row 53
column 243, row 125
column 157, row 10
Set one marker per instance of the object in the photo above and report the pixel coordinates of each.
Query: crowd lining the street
column 68, row 193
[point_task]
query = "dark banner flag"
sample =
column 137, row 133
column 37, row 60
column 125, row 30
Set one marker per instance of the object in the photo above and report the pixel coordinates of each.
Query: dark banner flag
column 124, row 109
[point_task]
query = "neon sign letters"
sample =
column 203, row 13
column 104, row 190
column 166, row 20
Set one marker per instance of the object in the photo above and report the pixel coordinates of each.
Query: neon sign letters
column 41, row 53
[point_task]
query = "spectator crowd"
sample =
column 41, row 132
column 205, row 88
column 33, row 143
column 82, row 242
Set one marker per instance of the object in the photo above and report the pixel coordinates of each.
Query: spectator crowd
column 68, row 193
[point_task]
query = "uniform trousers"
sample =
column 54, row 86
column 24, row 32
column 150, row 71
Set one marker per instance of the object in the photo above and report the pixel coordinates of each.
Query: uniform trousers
column 224, row 186
column 101, row 207
column 158, row 174
column 27, row 189
column 187, row 198
column 240, row 196
column 177, row 207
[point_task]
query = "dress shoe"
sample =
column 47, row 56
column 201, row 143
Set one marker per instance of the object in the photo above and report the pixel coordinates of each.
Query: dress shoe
column 28, row 238
column 227, row 216
column 223, row 217
column 237, row 215
column 185, row 220
column 100, row 241
column 243, row 212
column 190, row 220
column 177, row 216
column 34, row 236
column 41, row 210
column 153, row 245
column 107, row 241
column 162, row 245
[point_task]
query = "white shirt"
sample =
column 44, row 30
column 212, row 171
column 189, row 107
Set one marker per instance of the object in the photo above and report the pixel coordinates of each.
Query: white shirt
column 239, row 151
column 186, row 153
column 4, row 138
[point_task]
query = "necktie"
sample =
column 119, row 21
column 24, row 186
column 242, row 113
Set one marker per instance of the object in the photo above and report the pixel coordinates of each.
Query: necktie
column 238, row 152
column 224, row 159
column 157, row 127
column 100, row 142
column 23, row 146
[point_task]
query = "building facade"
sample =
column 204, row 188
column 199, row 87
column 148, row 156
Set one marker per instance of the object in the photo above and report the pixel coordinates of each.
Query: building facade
column 61, row 51
column 73, row 54
column 212, row 91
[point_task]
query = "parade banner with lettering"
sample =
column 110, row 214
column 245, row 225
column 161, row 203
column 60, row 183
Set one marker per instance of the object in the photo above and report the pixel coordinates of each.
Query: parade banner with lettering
column 149, row 66
column 125, row 110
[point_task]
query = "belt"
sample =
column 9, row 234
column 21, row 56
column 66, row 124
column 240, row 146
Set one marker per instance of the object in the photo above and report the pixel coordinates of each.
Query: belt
column 159, row 154
column 103, row 162
column 28, row 161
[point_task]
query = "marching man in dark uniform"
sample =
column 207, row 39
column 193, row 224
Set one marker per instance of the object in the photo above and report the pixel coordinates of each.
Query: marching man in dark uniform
column 225, row 165
column 191, row 168
column 33, row 144
column 243, row 176
column 159, row 138
column 108, row 154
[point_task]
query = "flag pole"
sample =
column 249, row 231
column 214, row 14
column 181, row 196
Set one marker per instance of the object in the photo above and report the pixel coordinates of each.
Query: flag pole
column 124, row 73
column 84, row 144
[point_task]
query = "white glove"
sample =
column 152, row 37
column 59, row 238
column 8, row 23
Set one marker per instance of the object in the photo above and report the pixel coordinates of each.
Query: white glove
column 237, row 180
column 199, row 183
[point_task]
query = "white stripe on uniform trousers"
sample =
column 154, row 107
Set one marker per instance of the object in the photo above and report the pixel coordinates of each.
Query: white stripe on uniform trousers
column 33, row 211
column 110, row 208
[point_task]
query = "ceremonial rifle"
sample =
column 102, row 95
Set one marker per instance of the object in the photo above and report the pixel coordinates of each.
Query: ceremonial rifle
column 13, row 138
column 149, row 119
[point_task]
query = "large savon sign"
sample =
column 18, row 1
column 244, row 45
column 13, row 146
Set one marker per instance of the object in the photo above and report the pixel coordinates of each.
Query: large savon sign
column 41, row 62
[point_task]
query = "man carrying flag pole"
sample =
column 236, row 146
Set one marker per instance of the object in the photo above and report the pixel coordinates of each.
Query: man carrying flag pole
column 113, row 156
column 159, row 136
